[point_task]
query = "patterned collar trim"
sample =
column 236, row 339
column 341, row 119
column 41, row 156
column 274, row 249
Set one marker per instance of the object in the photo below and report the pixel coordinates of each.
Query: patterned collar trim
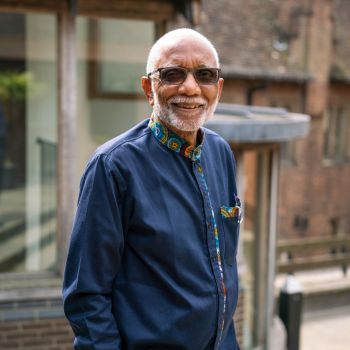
column 171, row 140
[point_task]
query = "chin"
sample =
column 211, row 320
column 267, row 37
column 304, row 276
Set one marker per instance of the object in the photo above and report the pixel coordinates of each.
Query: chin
column 191, row 124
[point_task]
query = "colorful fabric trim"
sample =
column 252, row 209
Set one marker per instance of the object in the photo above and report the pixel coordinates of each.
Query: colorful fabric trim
column 232, row 212
column 171, row 140
column 217, row 246
column 229, row 212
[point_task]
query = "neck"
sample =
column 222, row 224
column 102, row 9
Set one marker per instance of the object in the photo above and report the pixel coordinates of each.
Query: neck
column 189, row 136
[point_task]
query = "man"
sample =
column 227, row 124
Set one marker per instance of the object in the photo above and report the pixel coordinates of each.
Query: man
column 152, row 260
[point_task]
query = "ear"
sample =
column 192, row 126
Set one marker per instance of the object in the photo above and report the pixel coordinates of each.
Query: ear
column 147, row 89
column 220, row 86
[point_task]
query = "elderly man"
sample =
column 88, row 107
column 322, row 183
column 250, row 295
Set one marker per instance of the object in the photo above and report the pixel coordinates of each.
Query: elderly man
column 152, row 259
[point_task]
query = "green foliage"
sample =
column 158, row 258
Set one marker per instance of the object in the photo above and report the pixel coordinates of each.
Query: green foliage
column 14, row 85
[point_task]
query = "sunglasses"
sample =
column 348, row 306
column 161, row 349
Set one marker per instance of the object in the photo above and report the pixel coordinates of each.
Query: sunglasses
column 177, row 75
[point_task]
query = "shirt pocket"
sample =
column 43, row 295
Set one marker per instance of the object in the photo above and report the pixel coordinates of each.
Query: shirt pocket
column 230, row 217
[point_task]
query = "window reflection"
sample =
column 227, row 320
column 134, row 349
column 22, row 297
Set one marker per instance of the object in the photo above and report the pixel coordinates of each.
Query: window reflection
column 27, row 142
column 112, row 55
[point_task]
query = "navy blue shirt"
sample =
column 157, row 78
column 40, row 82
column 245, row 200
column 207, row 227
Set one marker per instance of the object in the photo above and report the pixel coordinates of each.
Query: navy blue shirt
column 152, row 258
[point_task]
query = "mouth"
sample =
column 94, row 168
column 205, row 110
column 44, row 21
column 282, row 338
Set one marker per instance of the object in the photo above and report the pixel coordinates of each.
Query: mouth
column 187, row 105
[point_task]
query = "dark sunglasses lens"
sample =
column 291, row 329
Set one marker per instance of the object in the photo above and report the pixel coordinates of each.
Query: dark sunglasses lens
column 207, row 75
column 173, row 75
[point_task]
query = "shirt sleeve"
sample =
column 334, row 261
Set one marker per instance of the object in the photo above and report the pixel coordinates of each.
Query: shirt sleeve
column 94, row 257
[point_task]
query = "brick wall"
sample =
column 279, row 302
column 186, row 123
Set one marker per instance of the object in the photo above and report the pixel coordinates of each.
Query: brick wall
column 313, row 190
column 308, row 188
column 40, row 334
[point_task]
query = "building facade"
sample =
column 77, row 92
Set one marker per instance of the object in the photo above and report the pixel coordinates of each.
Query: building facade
column 294, row 54
column 69, row 75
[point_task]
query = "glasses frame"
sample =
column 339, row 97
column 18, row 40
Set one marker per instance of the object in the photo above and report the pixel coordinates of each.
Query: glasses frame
column 187, row 70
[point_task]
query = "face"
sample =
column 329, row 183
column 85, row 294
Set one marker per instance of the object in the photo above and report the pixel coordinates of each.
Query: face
column 184, row 107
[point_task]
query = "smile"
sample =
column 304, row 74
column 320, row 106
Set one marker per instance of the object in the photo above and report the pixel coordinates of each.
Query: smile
column 187, row 106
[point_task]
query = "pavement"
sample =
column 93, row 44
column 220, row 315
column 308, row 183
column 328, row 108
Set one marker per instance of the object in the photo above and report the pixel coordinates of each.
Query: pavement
column 326, row 309
column 326, row 329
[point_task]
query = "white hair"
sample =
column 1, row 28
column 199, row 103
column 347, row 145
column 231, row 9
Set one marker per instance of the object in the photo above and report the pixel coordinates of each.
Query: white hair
column 171, row 36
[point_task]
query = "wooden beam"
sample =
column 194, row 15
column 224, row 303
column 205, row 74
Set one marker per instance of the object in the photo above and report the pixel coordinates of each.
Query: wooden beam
column 67, row 132
column 155, row 10
column 33, row 5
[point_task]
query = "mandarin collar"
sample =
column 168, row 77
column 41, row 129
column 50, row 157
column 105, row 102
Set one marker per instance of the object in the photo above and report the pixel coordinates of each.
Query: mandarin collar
column 173, row 141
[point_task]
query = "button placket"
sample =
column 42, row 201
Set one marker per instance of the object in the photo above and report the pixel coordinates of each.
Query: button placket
column 214, row 248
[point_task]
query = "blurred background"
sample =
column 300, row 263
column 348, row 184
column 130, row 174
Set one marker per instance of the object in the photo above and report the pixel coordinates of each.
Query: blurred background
column 70, row 80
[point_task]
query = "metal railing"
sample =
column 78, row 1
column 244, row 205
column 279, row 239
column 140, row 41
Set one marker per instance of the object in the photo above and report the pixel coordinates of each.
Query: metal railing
column 313, row 253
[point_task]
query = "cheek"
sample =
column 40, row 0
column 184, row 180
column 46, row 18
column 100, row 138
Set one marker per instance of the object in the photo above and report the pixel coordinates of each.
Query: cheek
column 210, row 93
column 165, row 92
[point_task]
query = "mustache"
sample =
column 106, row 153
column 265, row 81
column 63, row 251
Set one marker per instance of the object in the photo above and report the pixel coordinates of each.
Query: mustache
column 189, row 100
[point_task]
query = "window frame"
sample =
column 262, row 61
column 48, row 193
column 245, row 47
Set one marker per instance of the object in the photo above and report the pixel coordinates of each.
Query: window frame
column 336, row 134
column 94, row 66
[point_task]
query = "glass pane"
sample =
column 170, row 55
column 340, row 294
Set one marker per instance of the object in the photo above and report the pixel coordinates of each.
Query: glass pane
column 28, row 139
column 249, row 246
column 338, row 133
column 122, row 49
column 255, row 237
column 326, row 129
column 112, row 55
column 348, row 135
column 118, row 50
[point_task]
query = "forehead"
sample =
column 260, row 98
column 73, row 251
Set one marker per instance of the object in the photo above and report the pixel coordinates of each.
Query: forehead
column 187, row 53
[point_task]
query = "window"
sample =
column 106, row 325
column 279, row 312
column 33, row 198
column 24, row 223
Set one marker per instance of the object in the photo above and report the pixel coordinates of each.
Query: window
column 112, row 55
column 336, row 126
column 28, row 138
column 118, row 51
column 288, row 152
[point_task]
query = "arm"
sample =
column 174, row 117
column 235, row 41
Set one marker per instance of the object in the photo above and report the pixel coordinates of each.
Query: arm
column 94, row 258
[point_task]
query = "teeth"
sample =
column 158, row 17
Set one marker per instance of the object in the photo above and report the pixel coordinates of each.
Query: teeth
column 187, row 106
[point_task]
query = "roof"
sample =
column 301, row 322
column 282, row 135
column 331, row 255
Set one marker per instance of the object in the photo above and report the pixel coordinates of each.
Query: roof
column 254, row 124
column 254, row 37
column 249, row 37
column 256, row 73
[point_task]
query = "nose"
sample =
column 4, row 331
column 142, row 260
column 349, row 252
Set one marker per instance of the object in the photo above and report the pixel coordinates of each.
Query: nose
column 190, row 86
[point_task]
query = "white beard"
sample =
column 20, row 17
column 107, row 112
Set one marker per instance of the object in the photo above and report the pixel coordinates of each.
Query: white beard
column 165, row 113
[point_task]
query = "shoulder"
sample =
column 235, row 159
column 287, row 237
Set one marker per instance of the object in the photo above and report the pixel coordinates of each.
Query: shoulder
column 110, row 155
column 135, row 135
column 215, row 142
